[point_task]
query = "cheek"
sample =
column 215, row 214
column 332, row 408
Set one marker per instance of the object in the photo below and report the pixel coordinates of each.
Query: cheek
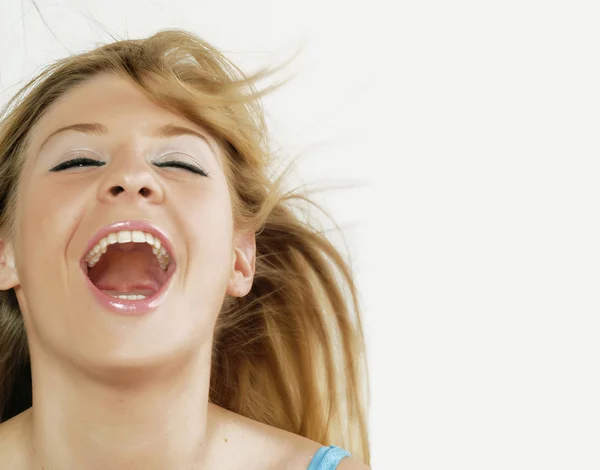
column 210, row 227
column 49, row 208
column 47, row 217
column 207, row 219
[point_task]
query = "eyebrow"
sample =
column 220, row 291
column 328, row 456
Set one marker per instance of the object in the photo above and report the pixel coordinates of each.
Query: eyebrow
column 95, row 128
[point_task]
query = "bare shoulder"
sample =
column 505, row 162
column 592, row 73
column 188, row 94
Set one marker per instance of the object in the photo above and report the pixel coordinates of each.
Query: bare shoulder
column 352, row 464
column 267, row 447
column 302, row 451
column 12, row 429
column 12, row 441
column 274, row 448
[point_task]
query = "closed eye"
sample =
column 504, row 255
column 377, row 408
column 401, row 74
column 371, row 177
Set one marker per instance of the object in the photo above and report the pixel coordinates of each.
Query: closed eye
column 83, row 162
column 185, row 166
column 77, row 162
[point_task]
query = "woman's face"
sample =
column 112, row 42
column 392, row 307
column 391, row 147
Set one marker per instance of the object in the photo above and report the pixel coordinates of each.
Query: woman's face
column 137, row 172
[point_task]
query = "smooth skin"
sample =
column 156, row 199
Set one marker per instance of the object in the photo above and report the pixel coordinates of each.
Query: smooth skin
column 123, row 392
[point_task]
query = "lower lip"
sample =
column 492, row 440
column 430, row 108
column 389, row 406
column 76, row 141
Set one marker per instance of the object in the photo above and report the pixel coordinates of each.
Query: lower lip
column 130, row 307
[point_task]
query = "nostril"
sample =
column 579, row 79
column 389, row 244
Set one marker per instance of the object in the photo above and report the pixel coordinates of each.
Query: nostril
column 115, row 190
column 145, row 192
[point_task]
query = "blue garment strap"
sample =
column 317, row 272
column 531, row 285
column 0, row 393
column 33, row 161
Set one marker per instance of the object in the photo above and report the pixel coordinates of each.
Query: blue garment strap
column 328, row 458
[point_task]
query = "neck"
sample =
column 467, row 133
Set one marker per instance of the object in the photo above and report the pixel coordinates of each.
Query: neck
column 159, row 421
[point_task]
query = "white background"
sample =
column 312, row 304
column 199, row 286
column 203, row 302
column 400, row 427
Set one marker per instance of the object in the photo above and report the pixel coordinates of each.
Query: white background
column 472, row 129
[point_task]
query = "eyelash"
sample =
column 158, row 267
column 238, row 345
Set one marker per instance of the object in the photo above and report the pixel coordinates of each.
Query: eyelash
column 185, row 166
column 82, row 161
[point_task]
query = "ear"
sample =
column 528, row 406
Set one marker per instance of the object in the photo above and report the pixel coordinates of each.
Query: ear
column 8, row 273
column 242, row 273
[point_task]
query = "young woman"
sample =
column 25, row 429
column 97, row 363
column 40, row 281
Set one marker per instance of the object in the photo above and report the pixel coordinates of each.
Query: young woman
column 162, row 305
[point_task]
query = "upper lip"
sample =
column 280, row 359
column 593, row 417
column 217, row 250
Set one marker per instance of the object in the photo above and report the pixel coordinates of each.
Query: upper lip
column 130, row 225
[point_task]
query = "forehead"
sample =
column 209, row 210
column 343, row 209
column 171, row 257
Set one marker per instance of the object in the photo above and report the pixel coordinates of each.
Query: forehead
column 114, row 101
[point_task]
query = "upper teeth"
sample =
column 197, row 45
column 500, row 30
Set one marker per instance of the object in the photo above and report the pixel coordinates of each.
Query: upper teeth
column 126, row 236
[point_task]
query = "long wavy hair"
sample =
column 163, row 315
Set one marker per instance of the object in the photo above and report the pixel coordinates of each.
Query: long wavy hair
column 291, row 353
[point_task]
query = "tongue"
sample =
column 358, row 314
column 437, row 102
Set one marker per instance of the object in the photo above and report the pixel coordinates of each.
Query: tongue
column 127, row 272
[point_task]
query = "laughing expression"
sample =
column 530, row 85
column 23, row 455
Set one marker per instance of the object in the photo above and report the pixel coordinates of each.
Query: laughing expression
column 125, row 244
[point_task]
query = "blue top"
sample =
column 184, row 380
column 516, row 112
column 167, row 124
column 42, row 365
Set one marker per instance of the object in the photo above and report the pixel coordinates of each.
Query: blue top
column 328, row 458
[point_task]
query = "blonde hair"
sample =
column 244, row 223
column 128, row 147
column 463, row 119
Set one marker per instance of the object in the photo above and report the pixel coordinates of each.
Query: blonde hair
column 290, row 353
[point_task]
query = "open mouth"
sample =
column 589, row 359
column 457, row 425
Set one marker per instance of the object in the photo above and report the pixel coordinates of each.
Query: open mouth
column 128, row 269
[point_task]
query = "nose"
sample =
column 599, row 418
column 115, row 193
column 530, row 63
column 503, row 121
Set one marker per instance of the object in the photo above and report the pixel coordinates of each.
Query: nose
column 130, row 181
